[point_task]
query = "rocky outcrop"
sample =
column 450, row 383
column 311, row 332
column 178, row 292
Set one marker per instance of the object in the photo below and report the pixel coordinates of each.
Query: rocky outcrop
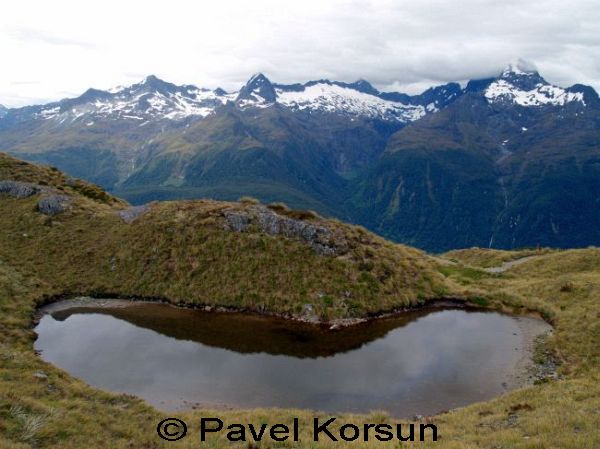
column 130, row 214
column 321, row 239
column 19, row 189
column 236, row 221
column 53, row 204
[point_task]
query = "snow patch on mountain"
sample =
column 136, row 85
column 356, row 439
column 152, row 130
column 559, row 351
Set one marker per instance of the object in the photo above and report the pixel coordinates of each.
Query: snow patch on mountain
column 140, row 102
column 540, row 95
column 330, row 97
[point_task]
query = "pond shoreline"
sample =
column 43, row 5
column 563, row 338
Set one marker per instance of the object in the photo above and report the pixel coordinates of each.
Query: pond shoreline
column 332, row 324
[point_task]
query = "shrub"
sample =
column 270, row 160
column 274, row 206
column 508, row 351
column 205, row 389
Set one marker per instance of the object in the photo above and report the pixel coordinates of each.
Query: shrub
column 480, row 301
column 248, row 200
column 279, row 207
column 301, row 214
column 328, row 300
column 567, row 287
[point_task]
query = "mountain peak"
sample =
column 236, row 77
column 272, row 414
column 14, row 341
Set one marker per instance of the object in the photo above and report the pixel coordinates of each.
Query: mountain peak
column 151, row 79
column 258, row 90
column 520, row 68
column 152, row 82
column 521, row 84
column 522, row 74
column 364, row 86
column 258, row 77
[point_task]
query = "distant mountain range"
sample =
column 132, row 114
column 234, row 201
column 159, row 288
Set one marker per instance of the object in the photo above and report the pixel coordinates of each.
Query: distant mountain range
column 504, row 162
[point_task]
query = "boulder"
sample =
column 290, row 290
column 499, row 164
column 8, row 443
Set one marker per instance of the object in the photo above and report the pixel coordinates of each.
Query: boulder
column 53, row 204
column 19, row 189
column 130, row 214
column 237, row 222
column 320, row 238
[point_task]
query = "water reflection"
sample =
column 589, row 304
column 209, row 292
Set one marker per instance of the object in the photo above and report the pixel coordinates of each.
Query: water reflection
column 420, row 363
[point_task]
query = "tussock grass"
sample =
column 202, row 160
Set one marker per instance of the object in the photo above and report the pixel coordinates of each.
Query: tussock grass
column 181, row 252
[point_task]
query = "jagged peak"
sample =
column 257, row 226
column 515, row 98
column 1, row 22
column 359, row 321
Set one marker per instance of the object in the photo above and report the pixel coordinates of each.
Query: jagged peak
column 522, row 74
column 154, row 82
column 364, row 86
column 93, row 93
column 521, row 84
column 258, row 90
column 589, row 94
column 150, row 79
column 149, row 82
column 258, row 78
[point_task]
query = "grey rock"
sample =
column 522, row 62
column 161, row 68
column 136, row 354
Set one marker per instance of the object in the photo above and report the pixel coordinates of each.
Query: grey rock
column 19, row 189
column 308, row 313
column 53, row 204
column 318, row 237
column 130, row 214
column 237, row 222
column 40, row 375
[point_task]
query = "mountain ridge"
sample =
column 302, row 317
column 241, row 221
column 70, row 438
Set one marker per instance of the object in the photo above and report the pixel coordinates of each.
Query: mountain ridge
column 183, row 101
column 449, row 167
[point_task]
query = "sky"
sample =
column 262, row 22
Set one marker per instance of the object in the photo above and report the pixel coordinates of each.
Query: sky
column 57, row 49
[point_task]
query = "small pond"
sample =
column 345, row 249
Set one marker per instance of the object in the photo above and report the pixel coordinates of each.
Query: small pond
column 421, row 362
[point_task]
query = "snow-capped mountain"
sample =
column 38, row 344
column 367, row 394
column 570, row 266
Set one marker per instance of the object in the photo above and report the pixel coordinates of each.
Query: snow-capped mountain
column 359, row 99
column 505, row 161
column 523, row 87
column 327, row 96
column 258, row 92
column 153, row 100
column 150, row 100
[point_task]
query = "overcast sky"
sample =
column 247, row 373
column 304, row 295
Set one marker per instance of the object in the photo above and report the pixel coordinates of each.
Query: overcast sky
column 59, row 48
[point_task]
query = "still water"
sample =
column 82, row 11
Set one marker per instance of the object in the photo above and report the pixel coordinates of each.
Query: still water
column 420, row 363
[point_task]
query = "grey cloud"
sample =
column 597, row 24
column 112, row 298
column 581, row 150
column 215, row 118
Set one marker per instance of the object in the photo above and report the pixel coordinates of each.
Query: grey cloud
column 396, row 45
column 405, row 44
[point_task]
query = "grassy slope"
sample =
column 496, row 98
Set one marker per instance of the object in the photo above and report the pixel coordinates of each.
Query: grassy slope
column 179, row 251
column 486, row 258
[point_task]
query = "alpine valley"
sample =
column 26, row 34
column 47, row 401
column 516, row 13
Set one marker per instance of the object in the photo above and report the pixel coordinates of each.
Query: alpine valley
column 505, row 162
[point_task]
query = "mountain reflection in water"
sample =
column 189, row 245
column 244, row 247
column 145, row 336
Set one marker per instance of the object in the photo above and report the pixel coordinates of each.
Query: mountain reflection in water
column 420, row 362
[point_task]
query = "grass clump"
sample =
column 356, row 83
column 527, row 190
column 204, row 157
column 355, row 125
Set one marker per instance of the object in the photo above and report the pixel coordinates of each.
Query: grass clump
column 283, row 209
column 248, row 200
column 278, row 207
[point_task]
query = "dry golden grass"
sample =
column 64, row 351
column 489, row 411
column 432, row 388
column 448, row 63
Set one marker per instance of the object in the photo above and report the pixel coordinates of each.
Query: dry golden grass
column 179, row 251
